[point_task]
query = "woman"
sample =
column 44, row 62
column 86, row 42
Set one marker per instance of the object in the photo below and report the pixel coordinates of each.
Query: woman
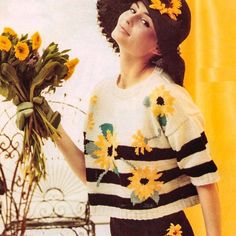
column 146, row 155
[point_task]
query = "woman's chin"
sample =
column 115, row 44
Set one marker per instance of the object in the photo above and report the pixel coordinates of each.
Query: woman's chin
column 119, row 35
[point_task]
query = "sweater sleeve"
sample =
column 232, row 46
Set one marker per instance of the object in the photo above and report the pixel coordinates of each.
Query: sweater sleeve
column 186, row 135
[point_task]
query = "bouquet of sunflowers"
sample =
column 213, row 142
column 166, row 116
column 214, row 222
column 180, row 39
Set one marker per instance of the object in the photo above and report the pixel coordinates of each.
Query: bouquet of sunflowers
column 25, row 76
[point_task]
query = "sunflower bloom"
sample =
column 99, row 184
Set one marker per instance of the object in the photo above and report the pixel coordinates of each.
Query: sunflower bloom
column 21, row 51
column 157, row 5
column 161, row 102
column 144, row 182
column 90, row 121
column 173, row 11
column 5, row 43
column 36, row 41
column 140, row 143
column 8, row 30
column 71, row 67
column 174, row 230
column 107, row 150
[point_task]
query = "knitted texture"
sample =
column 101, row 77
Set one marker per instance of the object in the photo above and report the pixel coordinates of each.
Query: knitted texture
column 145, row 149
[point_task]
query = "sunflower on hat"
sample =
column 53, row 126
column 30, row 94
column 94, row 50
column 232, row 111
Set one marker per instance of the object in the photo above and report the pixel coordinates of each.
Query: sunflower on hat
column 173, row 10
column 169, row 30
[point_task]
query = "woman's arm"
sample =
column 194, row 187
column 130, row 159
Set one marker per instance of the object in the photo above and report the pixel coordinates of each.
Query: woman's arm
column 210, row 203
column 72, row 154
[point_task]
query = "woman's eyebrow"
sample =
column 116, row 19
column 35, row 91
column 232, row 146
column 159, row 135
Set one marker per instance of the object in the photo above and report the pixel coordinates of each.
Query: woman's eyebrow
column 146, row 13
column 137, row 4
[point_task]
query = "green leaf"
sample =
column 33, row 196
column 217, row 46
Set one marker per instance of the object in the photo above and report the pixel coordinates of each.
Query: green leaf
column 65, row 51
column 156, row 197
column 116, row 171
column 105, row 127
column 11, row 94
column 3, row 56
column 90, row 148
column 24, row 37
column 146, row 102
column 49, row 69
column 101, row 176
column 9, row 72
column 4, row 91
column 20, row 121
column 3, row 80
column 134, row 199
column 162, row 120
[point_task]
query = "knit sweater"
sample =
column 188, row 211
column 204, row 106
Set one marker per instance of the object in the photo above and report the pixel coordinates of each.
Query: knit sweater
column 145, row 149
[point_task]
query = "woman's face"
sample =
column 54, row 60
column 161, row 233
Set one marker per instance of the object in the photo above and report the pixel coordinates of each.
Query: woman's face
column 135, row 32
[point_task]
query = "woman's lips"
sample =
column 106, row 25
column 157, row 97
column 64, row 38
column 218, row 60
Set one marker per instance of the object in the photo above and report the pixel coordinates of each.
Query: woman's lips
column 123, row 29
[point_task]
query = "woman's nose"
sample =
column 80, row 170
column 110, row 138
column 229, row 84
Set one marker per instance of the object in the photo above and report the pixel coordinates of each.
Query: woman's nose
column 129, row 20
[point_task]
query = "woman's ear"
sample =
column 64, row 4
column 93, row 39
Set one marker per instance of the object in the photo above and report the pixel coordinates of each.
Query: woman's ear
column 157, row 51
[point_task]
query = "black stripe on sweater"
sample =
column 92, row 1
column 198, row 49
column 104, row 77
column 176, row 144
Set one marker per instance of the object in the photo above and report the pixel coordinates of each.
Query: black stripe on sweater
column 193, row 146
column 128, row 153
column 199, row 170
column 122, row 179
column 125, row 203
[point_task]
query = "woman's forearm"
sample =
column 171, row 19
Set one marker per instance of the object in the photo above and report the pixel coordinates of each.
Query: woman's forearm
column 210, row 203
column 72, row 154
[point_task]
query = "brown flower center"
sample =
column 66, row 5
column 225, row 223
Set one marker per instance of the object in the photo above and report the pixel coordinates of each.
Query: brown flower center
column 168, row 3
column 21, row 49
column 110, row 151
column 160, row 101
column 144, row 181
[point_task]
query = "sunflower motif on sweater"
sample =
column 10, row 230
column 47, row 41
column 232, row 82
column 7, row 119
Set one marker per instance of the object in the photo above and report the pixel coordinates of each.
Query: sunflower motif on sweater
column 145, row 184
column 161, row 103
column 106, row 151
column 140, row 143
column 103, row 150
column 174, row 230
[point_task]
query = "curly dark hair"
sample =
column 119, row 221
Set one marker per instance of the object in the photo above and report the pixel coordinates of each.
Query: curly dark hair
column 108, row 14
column 170, row 33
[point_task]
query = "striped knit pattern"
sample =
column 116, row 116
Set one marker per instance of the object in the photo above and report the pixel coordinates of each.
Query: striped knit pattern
column 174, row 144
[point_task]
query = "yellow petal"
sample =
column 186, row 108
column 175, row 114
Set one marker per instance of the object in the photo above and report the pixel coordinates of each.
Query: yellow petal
column 36, row 41
column 10, row 31
column 21, row 51
column 5, row 43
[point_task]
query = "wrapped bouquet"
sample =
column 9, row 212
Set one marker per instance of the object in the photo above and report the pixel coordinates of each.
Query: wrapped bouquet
column 25, row 76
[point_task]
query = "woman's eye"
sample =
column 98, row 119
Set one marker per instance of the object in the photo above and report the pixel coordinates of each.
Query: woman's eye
column 145, row 22
column 132, row 10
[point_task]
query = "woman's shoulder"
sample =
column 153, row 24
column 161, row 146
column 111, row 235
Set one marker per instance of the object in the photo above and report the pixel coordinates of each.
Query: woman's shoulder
column 171, row 103
column 165, row 86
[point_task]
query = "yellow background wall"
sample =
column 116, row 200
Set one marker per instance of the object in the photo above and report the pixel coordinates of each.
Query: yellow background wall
column 210, row 56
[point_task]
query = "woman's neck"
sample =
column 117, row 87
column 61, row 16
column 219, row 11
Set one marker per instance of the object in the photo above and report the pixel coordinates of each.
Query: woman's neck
column 132, row 70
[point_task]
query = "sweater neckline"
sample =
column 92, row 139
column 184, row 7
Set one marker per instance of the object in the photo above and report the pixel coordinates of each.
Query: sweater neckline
column 136, row 88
